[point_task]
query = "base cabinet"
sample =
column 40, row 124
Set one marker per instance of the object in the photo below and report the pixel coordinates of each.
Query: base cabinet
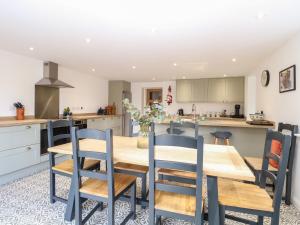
column 113, row 122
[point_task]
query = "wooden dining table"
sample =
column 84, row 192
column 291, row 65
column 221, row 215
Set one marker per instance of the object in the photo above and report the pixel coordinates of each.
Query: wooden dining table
column 219, row 161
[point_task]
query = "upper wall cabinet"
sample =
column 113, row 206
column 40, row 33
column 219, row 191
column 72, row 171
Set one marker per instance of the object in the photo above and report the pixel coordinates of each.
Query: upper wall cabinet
column 211, row 90
column 184, row 90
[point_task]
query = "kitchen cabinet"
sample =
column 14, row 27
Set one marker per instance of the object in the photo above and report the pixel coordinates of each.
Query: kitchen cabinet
column 20, row 147
column 218, row 90
column 184, row 90
column 109, row 122
column 234, row 89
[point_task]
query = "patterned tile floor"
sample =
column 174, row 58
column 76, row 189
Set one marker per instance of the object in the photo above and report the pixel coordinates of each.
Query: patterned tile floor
column 26, row 202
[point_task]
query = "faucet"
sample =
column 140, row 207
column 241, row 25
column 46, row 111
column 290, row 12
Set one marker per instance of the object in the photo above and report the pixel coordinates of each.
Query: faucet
column 194, row 111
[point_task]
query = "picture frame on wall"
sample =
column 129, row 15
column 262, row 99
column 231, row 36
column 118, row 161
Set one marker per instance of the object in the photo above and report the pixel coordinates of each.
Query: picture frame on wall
column 287, row 79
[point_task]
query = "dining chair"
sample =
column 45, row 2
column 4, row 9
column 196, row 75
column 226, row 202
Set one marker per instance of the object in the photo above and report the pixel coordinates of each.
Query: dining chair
column 177, row 175
column 101, row 186
column 64, row 168
column 171, row 199
column 254, row 199
column 255, row 163
column 136, row 170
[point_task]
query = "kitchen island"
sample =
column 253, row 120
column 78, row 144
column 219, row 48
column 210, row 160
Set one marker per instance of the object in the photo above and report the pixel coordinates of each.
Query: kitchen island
column 248, row 139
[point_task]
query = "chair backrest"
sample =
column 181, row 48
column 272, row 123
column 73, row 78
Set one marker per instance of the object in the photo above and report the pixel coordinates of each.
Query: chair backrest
column 132, row 124
column 64, row 135
column 79, row 156
column 277, row 179
column 292, row 129
column 176, row 141
column 185, row 124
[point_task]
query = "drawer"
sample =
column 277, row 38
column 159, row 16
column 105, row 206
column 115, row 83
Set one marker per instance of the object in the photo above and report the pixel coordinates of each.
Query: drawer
column 15, row 159
column 19, row 136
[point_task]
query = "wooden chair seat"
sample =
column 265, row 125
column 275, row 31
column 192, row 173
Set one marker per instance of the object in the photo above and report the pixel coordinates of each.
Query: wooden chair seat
column 256, row 163
column 100, row 187
column 67, row 165
column 177, row 173
column 131, row 167
column 176, row 203
column 241, row 195
column 183, row 185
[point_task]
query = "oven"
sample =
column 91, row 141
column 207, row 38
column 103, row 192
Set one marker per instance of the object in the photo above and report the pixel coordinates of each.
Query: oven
column 81, row 124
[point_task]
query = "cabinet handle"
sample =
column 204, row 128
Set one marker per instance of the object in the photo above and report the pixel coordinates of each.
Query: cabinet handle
column 28, row 127
column 28, row 148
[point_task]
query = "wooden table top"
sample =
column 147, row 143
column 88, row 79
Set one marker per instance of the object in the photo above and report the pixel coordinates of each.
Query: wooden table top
column 219, row 160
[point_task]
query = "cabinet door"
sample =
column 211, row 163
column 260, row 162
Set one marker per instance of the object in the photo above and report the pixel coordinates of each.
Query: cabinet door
column 18, row 136
column 235, row 89
column 183, row 91
column 199, row 90
column 216, row 90
column 98, row 123
column 15, row 159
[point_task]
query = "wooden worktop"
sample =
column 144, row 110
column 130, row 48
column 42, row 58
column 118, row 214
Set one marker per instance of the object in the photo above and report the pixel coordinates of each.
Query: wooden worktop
column 219, row 122
column 9, row 122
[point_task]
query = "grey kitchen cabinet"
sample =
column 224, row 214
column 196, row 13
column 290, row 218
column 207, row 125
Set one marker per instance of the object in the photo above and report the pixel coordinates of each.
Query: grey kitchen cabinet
column 184, row 90
column 19, row 147
column 216, row 90
column 219, row 90
column 109, row 122
column 199, row 90
column 234, row 89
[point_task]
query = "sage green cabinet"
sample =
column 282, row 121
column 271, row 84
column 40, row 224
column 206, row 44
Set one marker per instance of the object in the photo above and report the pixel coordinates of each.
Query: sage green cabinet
column 216, row 90
column 109, row 122
column 199, row 90
column 234, row 89
column 184, row 90
column 219, row 90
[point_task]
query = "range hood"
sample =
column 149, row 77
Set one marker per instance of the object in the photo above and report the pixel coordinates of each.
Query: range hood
column 50, row 77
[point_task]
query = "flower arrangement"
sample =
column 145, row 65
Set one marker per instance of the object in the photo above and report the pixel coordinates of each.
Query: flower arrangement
column 151, row 114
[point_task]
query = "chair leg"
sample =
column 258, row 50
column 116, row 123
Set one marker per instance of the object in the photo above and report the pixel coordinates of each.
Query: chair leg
column 260, row 220
column 275, row 219
column 144, row 190
column 288, row 188
column 52, row 186
column 111, row 213
column 158, row 220
column 222, row 214
column 78, row 210
column 133, row 200
column 216, row 141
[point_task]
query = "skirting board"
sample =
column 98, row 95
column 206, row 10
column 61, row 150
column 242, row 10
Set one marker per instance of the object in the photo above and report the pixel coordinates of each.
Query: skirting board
column 7, row 178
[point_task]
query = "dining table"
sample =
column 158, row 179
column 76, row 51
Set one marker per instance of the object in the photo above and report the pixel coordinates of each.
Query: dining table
column 219, row 161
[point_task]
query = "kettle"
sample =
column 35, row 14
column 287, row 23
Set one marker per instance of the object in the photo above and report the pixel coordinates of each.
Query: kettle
column 180, row 112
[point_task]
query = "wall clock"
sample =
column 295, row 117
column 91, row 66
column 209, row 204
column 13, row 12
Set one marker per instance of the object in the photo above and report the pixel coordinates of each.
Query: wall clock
column 265, row 78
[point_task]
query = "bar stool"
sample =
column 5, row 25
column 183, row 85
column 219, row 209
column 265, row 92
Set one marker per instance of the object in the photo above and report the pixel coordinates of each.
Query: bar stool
column 224, row 135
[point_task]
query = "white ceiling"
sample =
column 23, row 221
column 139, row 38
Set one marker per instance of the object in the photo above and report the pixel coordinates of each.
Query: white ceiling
column 201, row 37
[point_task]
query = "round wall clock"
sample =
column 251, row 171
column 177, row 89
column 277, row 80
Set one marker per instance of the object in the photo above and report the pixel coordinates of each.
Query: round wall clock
column 265, row 78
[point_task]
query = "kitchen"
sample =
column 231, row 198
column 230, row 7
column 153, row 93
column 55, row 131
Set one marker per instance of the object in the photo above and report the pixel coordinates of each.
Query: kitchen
column 239, row 93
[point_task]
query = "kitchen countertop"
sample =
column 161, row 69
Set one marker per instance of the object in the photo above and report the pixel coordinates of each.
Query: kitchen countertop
column 224, row 123
column 11, row 121
column 14, row 122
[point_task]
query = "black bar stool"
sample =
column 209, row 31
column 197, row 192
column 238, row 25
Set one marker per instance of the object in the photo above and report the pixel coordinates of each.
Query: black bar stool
column 223, row 135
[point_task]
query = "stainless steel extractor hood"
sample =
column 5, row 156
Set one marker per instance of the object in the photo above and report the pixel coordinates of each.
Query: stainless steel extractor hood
column 50, row 77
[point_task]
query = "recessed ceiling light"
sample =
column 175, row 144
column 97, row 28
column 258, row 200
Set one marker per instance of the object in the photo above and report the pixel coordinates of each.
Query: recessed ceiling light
column 93, row 70
column 133, row 67
column 153, row 78
column 260, row 15
column 174, row 64
column 225, row 75
column 31, row 48
column 87, row 40
column 154, row 29
column 233, row 59
column 183, row 77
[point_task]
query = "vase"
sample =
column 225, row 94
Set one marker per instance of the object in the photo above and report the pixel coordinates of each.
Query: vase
column 20, row 114
column 142, row 141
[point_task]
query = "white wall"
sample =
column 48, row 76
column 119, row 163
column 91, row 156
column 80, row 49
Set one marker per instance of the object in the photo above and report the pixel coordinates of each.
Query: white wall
column 137, row 89
column 283, row 107
column 18, row 75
